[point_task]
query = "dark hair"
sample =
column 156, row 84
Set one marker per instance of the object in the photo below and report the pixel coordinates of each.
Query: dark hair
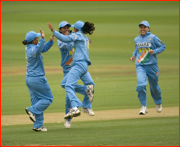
column 24, row 42
column 88, row 28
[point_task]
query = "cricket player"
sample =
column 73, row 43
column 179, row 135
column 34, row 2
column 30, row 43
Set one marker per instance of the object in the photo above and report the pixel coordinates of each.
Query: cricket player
column 80, row 61
column 66, row 50
column 147, row 46
column 40, row 92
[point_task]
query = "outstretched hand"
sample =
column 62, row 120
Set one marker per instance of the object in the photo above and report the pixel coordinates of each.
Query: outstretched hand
column 52, row 38
column 42, row 33
column 51, row 27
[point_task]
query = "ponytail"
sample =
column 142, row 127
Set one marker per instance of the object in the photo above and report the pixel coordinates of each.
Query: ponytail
column 88, row 28
column 24, row 42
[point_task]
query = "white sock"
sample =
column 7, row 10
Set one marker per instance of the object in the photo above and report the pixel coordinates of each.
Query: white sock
column 75, row 108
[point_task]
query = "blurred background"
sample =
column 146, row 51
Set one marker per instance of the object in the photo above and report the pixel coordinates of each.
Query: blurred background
column 116, row 26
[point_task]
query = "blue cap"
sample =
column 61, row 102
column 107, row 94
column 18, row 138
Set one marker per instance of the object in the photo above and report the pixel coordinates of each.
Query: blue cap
column 145, row 23
column 30, row 36
column 64, row 23
column 78, row 25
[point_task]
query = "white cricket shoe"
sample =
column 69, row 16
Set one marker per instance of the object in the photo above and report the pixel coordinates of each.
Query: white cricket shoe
column 72, row 113
column 159, row 108
column 143, row 110
column 43, row 129
column 31, row 116
column 67, row 124
column 89, row 92
column 88, row 111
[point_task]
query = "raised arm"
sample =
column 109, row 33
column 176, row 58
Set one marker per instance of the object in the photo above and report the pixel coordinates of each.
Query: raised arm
column 61, row 37
column 39, row 47
column 48, row 44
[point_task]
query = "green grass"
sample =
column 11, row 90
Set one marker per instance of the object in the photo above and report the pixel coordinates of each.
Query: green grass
column 116, row 24
column 133, row 132
column 115, row 89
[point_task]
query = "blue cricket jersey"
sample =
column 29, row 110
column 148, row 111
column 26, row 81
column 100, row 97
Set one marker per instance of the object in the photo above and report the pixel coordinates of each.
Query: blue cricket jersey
column 34, row 58
column 66, row 50
column 81, row 45
column 143, row 45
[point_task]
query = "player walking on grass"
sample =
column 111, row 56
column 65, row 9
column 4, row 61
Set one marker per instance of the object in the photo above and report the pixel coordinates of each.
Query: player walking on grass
column 147, row 46
column 80, row 62
column 66, row 50
column 40, row 92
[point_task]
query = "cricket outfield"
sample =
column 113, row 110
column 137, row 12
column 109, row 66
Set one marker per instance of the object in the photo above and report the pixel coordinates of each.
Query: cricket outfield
column 6, row 120
column 116, row 106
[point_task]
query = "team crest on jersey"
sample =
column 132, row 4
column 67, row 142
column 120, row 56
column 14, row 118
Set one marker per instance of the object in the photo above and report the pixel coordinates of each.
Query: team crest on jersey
column 149, row 38
column 33, row 48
